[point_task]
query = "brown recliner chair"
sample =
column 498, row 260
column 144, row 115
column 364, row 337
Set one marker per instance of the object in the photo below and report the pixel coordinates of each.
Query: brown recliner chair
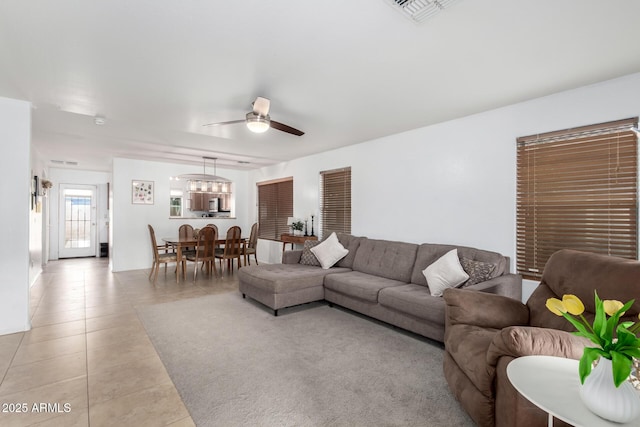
column 484, row 332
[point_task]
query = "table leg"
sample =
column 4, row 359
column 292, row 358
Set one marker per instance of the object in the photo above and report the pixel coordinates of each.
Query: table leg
column 550, row 421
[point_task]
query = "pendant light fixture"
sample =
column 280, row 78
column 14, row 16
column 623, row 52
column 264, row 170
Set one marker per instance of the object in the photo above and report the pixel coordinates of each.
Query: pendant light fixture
column 203, row 182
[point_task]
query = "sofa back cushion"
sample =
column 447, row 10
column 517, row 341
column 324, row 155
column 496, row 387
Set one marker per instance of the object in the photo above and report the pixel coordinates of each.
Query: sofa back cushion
column 581, row 274
column 384, row 258
column 351, row 243
column 428, row 253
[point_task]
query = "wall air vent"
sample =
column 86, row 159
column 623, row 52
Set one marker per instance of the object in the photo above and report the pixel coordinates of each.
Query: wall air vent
column 64, row 162
column 420, row 10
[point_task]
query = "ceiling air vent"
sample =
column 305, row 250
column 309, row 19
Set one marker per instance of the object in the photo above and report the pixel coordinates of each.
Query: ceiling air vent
column 420, row 10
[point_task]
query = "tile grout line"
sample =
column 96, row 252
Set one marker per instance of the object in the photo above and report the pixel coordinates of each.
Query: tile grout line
column 86, row 347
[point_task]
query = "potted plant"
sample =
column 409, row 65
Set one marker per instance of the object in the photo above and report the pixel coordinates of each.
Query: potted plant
column 297, row 227
column 605, row 389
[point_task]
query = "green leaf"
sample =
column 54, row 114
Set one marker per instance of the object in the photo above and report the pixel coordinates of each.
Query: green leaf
column 613, row 320
column 599, row 323
column 633, row 351
column 582, row 330
column 625, row 338
column 589, row 355
column 627, row 324
column 621, row 366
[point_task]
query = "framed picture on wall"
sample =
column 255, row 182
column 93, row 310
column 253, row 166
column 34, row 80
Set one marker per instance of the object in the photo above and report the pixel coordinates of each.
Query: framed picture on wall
column 141, row 192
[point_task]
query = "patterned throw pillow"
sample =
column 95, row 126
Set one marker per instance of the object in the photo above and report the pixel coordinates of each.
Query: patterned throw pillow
column 478, row 271
column 308, row 258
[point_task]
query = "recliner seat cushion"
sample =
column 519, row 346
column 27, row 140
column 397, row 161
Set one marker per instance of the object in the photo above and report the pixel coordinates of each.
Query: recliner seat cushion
column 359, row 285
column 414, row 300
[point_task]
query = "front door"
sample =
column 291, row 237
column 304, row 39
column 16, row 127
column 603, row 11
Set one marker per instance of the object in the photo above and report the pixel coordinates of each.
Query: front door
column 77, row 221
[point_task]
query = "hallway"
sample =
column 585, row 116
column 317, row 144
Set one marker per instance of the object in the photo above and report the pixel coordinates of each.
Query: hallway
column 87, row 361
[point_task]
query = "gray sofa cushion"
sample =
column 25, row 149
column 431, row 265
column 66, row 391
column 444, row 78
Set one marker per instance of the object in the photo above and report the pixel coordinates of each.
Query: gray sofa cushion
column 429, row 252
column 415, row 300
column 351, row 243
column 281, row 278
column 307, row 257
column 392, row 260
column 359, row 285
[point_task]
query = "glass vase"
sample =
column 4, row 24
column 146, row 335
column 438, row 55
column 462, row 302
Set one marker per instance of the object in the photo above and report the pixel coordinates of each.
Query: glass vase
column 603, row 398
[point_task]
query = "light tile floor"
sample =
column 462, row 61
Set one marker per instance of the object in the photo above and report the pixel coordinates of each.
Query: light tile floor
column 87, row 361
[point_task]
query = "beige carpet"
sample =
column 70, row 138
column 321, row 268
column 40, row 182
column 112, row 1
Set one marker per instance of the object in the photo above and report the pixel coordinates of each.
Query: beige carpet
column 235, row 364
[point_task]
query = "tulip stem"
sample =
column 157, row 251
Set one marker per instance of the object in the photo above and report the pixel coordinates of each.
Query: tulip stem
column 588, row 325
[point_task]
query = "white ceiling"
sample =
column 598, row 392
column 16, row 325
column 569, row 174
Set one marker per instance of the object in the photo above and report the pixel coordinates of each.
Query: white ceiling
column 342, row 71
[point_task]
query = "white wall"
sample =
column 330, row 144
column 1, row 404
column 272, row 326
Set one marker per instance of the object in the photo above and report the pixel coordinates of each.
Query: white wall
column 453, row 182
column 130, row 236
column 15, row 186
column 73, row 176
column 36, row 222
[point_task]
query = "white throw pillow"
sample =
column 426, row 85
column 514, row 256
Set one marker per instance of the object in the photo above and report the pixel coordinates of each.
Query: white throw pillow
column 329, row 252
column 445, row 273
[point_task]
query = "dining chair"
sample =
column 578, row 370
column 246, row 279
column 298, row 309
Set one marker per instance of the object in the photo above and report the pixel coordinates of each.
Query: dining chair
column 186, row 231
column 160, row 258
column 205, row 250
column 232, row 248
column 214, row 226
column 217, row 234
column 251, row 246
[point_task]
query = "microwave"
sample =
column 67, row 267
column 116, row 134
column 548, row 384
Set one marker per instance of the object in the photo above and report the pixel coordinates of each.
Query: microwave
column 214, row 204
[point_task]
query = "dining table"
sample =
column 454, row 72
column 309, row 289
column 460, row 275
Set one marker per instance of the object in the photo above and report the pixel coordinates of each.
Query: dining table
column 187, row 242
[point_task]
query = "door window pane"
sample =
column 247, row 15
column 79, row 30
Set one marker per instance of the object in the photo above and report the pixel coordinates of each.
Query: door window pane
column 77, row 218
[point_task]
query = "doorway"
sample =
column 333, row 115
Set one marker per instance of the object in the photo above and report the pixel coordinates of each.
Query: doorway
column 77, row 234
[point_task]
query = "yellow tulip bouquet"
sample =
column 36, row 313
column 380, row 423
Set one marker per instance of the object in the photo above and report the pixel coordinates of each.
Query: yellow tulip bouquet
column 620, row 349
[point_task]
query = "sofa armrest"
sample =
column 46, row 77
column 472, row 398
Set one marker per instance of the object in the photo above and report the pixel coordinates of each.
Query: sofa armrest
column 291, row 257
column 509, row 285
column 469, row 307
column 518, row 341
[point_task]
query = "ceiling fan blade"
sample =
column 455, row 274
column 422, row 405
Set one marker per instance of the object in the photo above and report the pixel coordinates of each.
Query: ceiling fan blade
column 225, row 123
column 261, row 106
column 285, row 128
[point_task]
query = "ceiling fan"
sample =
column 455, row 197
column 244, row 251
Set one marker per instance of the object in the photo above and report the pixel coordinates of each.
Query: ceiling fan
column 259, row 121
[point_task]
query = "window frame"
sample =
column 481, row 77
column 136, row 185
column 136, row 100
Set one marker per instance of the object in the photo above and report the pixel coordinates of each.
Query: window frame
column 337, row 203
column 272, row 213
column 577, row 189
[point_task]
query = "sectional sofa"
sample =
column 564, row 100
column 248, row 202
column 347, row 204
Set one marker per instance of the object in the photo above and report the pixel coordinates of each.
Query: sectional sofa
column 379, row 278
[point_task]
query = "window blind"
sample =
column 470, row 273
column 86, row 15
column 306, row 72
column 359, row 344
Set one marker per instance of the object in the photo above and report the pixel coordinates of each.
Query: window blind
column 275, row 205
column 335, row 201
column 577, row 189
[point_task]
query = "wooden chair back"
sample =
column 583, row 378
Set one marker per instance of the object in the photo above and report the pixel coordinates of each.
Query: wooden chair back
column 207, row 237
column 253, row 237
column 154, row 244
column 185, row 231
column 233, row 244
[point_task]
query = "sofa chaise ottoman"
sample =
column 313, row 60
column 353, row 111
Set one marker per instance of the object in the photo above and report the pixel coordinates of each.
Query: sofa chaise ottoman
column 379, row 278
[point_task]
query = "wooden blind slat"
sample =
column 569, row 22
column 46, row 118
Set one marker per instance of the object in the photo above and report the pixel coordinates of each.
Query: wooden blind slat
column 577, row 189
column 335, row 201
column 275, row 205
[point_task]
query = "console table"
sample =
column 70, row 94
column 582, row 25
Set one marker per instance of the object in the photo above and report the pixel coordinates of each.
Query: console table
column 552, row 384
column 290, row 238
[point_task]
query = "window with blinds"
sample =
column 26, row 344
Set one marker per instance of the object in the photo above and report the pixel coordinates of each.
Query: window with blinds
column 577, row 189
column 335, row 201
column 275, row 205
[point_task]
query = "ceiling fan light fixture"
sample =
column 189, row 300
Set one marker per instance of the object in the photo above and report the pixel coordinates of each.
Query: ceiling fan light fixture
column 258, row 124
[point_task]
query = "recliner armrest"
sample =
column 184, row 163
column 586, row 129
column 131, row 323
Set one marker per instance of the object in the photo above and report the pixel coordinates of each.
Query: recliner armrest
column 469, row 307
column 518, row 341
column 509, row 285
